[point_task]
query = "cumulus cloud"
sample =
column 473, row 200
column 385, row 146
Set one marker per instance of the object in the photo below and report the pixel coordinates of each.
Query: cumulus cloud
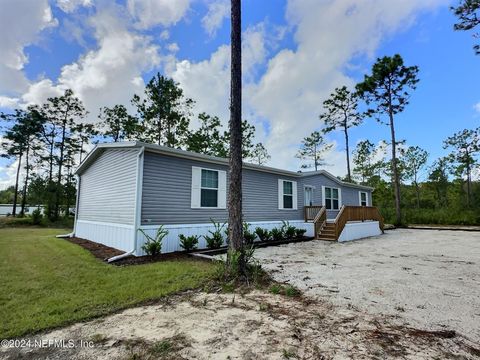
column 108, row 75
column 214, row 74
column 149, row 13
column 21, row 22
column 291, row 91
column 217, row 11
column 476, row 107
column 69, row 6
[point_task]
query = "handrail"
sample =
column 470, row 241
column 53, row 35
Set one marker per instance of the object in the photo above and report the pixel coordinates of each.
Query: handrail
column 310, row 212
column 356, row 213
column 319, row 221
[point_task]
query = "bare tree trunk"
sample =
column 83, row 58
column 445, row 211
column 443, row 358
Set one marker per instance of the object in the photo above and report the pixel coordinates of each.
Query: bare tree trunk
column 469, row 186
column 15, row 195
column 60, row 165
column 235, row 228
column 417, row 190
column 25, row 184
column 396, row 180
column 347, row 149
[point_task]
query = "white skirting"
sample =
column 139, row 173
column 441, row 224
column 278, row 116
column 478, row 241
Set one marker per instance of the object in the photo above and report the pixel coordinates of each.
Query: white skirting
column 171, row 242
column 118, row 236
column 359, row 230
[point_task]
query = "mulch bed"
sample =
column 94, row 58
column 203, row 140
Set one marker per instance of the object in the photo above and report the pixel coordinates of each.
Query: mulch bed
column 256, row 244
column 100, row 251
column 104, row 253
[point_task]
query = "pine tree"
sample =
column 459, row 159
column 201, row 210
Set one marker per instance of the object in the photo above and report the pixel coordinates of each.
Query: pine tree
column 387, row 90
column 313, row 150
column 341, row 113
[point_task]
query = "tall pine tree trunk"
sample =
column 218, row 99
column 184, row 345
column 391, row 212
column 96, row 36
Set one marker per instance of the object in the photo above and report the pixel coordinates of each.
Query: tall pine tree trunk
column 25, row 184
column 396, row 178
column 15, row 195
column 469, row 185
column 59, row 177
column 235, row 228
column 347, row 150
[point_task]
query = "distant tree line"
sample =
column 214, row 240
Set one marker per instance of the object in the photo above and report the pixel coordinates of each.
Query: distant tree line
column 47, row 142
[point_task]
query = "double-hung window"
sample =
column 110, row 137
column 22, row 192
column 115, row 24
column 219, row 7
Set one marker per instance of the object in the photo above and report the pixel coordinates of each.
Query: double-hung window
column 332, row 198
column 287, row 195
column 209, row 188
column 363, row 198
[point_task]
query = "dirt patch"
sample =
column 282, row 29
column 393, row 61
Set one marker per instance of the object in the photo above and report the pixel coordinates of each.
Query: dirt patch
column 257, row 325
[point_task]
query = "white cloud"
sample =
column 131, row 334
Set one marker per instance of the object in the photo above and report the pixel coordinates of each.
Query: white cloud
column 476, row 107
column 214, row 74
column 108, row 75
column 21, row 22
column 217, row 11
column 150, row 13
column 8, row 102
column 69, row 6
column 328, row 34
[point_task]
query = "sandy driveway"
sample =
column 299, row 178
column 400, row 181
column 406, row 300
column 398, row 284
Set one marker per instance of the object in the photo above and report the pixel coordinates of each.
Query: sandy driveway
column 429, row 278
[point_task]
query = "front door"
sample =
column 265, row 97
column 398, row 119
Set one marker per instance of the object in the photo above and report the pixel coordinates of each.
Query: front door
column 308, row 196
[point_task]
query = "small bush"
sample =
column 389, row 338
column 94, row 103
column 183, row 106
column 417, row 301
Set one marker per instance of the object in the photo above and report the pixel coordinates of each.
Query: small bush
column 37, row 217
column 188, row 243
column 288, row 230
column 153, row 246
column 215, row 239
column 276, row 234
column 248, row 236
column 300, row 232
column 263, row 234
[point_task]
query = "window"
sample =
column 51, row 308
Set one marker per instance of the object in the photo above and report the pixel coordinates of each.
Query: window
column 332, row 198
column 209, row 188
column 363, row 197
column 287, row 195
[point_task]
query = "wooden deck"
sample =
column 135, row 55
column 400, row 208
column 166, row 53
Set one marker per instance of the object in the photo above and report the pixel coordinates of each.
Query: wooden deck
column 331, row 230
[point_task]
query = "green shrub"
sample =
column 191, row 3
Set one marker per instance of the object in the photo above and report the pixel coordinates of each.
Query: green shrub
column 248, row 236
column 37, row 217
column 288, row 230
column 153, row 246
column 215, row 239
column 188, row 243
column 300, row 232
column 276, row 234
column 263, row 234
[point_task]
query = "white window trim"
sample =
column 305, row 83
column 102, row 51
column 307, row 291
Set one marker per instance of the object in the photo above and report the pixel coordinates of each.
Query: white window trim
column 197, row 189
column 339, row 197
column 360, row 197
column 294, row 195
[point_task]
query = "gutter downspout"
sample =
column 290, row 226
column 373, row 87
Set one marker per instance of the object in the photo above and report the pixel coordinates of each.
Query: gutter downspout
column 138, row 206
column 72, row 234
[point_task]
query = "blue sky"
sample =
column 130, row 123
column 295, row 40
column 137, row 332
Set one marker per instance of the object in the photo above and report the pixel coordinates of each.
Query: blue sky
column 295, row 53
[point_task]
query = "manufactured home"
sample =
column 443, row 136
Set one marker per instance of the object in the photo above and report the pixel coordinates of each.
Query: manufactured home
column 127, row 186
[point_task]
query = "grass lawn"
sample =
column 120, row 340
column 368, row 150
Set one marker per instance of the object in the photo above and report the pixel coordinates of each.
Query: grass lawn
column 47, row 282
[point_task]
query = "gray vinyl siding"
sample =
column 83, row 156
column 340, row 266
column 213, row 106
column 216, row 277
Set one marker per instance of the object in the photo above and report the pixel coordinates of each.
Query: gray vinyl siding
column 166, row 193
column 108, row 188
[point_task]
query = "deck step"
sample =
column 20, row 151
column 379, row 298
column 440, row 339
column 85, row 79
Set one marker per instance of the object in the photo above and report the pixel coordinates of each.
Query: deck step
column 326, row 238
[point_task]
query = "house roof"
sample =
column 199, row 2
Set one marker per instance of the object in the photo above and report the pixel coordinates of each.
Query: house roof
column 100, row 148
